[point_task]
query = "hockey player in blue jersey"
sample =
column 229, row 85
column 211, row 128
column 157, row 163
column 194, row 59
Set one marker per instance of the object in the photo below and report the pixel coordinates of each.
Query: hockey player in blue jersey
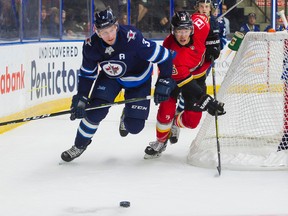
column 124, row 59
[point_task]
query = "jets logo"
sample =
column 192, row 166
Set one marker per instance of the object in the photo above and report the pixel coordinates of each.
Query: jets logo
column 131, row 35
column 114, row 68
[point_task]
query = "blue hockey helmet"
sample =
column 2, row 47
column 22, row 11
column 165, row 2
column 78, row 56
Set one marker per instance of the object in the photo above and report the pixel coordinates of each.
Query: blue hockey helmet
column 181, row 20
column 105, row 18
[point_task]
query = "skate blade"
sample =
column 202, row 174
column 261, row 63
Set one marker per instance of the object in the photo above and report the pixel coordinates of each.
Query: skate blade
column 146, row 156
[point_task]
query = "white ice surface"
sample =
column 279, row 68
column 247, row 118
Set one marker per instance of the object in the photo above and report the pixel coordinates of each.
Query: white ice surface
column 34, row 180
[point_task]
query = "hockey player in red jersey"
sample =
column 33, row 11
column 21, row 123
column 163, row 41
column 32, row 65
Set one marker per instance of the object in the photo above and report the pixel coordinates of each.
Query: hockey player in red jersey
column 215, row 41
column 187, row 40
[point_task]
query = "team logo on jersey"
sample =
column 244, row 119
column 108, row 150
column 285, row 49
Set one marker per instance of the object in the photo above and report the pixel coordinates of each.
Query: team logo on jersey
column 131, row 35
column 109, row 50
column 174, row 70
column 114, row 68
column 199, row 23
column 88, row 41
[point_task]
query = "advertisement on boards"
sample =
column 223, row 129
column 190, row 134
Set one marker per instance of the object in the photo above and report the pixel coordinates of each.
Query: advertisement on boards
column 31, row 74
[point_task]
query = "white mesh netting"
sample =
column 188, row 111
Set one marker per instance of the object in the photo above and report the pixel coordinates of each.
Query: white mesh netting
column 253, row 91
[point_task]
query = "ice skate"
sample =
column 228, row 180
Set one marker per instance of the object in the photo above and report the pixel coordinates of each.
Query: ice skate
column 154, row 149
column 174, row 134
column 72, row 153
column 122, row 130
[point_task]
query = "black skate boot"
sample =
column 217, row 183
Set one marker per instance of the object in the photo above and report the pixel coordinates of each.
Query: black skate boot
column 73, row 153
column 122, row 130
column 155, row 149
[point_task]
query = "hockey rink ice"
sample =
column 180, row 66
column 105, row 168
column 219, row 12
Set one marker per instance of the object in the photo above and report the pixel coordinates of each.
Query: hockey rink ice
column 35, row 182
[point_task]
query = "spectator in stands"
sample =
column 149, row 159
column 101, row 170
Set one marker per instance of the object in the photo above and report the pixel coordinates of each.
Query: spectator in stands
column 44, row 21
column 73, row 23
column 153, row 15
column 123, row 19
column 9, row 20
column 279, row 25
column 226, row 20
column 54, row 28
column 142, row 10
column 250, row 25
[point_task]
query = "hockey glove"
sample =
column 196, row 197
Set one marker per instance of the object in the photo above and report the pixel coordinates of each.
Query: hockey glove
column 163, row 89
column 78, row 107
column 212, row 47
column 211, row 105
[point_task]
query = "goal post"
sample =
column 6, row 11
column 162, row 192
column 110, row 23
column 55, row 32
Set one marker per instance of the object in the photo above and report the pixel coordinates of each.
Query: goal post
column 253, row 91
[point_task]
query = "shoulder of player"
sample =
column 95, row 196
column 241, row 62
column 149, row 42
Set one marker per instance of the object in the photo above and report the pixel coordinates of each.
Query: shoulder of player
column 198, row 16
column 130, row 33
column 91, row 41
column 168, row 41
column 90, row 45
column 200, row 22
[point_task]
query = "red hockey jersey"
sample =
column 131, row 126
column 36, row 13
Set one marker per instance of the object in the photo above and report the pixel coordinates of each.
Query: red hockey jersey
column 188, row 59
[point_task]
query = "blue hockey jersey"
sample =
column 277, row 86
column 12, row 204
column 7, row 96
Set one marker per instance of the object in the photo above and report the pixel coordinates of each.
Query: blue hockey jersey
column 129, row 60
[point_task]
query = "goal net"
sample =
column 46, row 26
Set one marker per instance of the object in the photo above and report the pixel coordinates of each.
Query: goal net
column 253, row 91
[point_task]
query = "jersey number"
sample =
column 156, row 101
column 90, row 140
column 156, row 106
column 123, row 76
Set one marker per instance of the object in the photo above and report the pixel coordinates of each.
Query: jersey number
column 146, row 42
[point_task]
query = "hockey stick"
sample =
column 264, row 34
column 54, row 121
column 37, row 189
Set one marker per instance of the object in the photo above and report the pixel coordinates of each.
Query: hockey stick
column 283, row 17
column 216, row 118
column 69, row 111
column 231, row 8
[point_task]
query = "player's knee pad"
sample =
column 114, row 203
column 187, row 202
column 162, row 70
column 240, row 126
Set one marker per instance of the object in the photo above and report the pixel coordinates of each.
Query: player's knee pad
column 191, row 119
column 166, row 111
column 133, row 125
column 97, row 115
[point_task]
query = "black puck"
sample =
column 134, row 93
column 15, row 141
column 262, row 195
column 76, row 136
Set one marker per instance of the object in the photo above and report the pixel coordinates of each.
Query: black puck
column 125, row 204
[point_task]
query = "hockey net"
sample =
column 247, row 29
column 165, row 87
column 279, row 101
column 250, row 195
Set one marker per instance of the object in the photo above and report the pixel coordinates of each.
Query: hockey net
column 253, row 91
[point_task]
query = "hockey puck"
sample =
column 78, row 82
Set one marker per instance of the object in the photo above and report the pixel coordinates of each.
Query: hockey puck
column 125, row 204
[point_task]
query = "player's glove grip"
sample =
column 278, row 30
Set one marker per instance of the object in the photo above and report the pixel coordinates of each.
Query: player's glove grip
column 211, row 105
column 163, row 89
column 78, row 107
column 213, row 47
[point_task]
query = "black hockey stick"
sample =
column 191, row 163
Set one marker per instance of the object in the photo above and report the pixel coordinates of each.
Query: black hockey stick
column 69, row 111
column 216, row 119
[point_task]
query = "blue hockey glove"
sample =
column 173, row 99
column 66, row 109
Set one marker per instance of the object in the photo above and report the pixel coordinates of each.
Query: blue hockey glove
column 78, row 107
column 211, row 105
column 163, row 89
